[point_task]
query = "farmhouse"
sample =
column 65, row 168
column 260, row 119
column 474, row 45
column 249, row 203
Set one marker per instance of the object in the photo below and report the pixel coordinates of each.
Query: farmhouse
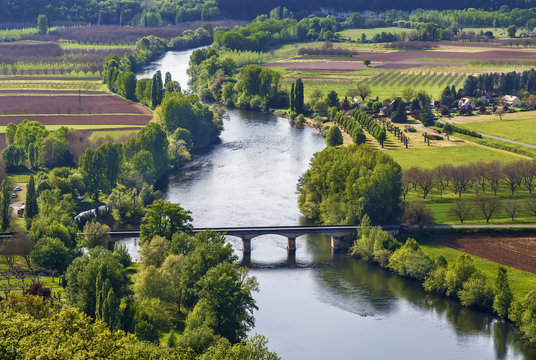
column 466, row 102
column 486, row 99
column 510, row 100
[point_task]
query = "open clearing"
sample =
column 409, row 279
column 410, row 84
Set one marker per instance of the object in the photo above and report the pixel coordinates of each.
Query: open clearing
column 517, row 251
column 523, row 130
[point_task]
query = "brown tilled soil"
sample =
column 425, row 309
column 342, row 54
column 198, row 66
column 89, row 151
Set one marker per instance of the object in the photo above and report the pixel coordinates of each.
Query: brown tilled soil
column 515, row 250
column 52, row 92
column 80, row 120
column 108, row 104
column 60, row 78
column 402, row 59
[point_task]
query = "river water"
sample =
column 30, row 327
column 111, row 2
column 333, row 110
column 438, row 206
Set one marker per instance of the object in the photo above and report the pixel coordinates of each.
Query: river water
column 317, row 305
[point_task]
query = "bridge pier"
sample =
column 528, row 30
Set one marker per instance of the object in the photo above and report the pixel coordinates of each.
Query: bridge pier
column 291, row 244
column 246, row 245
column 336, row 243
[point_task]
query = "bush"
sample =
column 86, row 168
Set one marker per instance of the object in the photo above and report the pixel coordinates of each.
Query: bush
column 334, row 136
column 411, row 261
column 477, row 291
column 458, row 273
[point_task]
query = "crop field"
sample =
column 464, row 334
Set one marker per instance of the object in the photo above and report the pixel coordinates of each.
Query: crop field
column 355, row 34
column 520, row 281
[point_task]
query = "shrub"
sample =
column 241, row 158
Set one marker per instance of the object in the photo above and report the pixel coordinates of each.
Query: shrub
column 477, row 291
column 411, row 261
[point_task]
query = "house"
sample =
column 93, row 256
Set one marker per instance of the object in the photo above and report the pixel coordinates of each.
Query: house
column 466, row 102
column 385, row 111
column 356, row 100
column 486, row 99
column 510, row 100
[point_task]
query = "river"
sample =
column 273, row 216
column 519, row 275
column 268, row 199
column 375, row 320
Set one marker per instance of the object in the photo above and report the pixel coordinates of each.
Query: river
column 317, row 305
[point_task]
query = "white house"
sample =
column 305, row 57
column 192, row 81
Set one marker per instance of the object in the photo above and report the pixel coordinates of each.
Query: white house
column 466, row 102
column 510, row 100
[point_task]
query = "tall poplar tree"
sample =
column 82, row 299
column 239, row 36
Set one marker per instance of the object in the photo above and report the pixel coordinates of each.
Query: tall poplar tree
column 292, row 98
column 31, row 209
column 5, row 206
column 298, row 97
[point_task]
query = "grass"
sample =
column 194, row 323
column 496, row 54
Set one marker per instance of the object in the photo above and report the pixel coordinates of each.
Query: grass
column 521, row 282
column 429, row 157
column 355, row 34
column 21, row 176
column 523, row 130
column 18, row 285
column 116, row 135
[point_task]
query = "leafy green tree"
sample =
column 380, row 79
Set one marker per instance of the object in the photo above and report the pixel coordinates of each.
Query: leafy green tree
column 366, row 62
column 126, row 85
column 298, row 97
column 143, row 91
column 477, row 291
column 31, row 209
column 11, row 130
column 5, row 206
column 226, row 302
column 107, row 304
column 96, row 234
column 53, row 153
column 52, row 254
column 210, row 249
column 411, row 261
column 82, row 274
column 157, row 89
column 523, row 313
column 458, row 273
column 356, row 186
column 333, row 99
column 334, row 136
column 399, row 112
column 436, row 280
column 186, row 112
column 13, row 156
column 503, row 296
column 154, row 252
column 164, row 219
column 91, row 165
column 511, row 30
column 42, row 24
column 530, row 24
column 252, row 348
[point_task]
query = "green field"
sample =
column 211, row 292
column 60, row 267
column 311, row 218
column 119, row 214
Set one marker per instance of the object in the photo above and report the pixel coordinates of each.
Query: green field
column 355, row 34
column 455, row 155
column 114, row 134
column 523, row 130
column 521, row 282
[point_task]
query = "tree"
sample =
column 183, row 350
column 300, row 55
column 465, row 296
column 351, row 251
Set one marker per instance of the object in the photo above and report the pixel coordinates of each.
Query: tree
column 31, row 208
column 363, row 90
column 5, row 206
column 42, row 24
column 51, row 254
column 154, row 252
column 447, row 130
column 96, row 234
column 126, row 85
column 370, row 187
column 210, row 249
column 334, row 136
column 458, row 273
column 417, row 213
column 226, row 302
column 366, row 62
column 461, row 209
column 488, row 205
column 476, row 291
column 333, row 99
column 411, row 261
column 157, row 89
column 298, row 97
column 86, row 277
column 53, row 153
column 512, row 207
column 503, row 296
column 399, row 112
column 164, row 219
column 425, row 179
column 513, row 175
column 511, row 30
